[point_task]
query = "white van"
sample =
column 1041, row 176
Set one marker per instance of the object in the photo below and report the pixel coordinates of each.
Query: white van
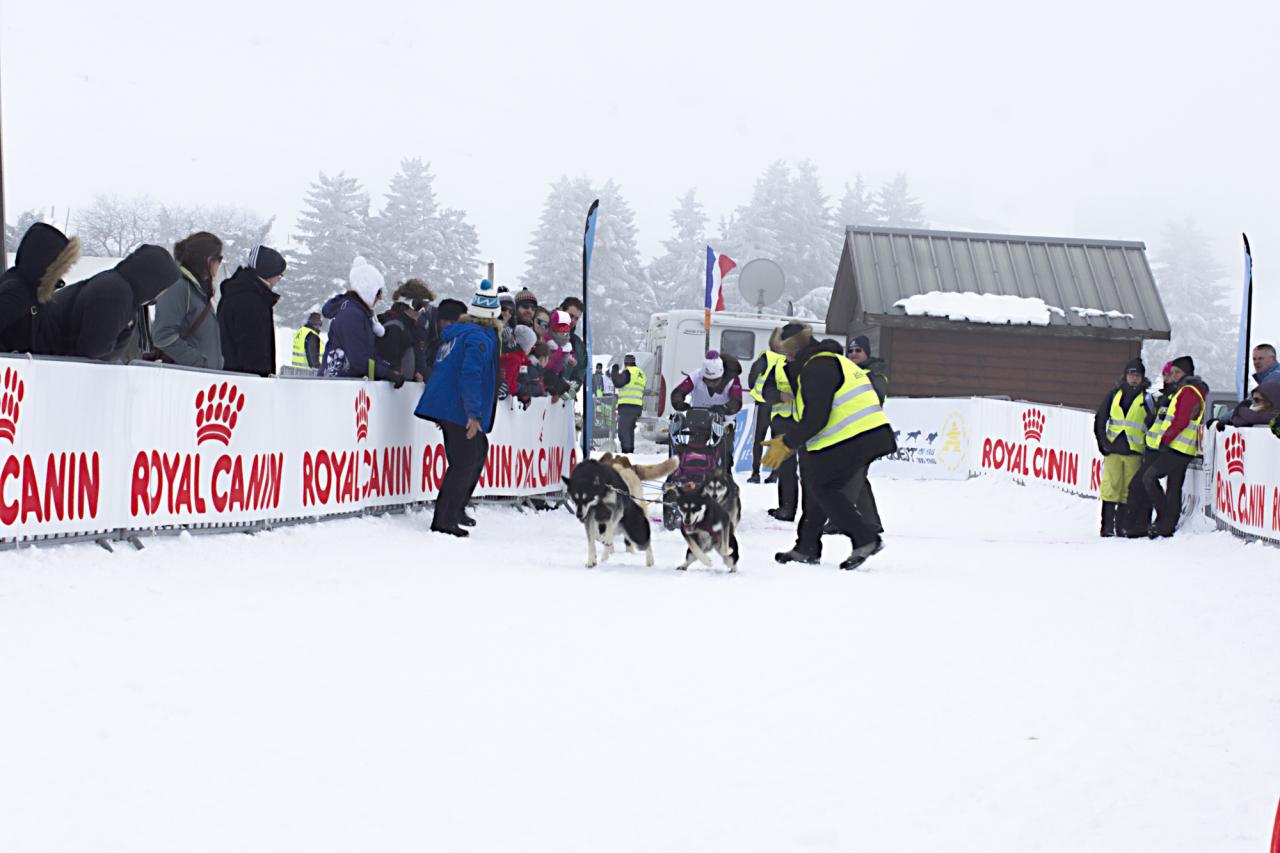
column 674, row 346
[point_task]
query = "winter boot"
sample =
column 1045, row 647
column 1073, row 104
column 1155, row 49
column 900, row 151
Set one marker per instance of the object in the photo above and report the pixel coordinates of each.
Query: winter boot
column 772, row 478
column 862, row 553
column 1108, row 519
column 782, row 515
column 754, row 478
column 796, row 556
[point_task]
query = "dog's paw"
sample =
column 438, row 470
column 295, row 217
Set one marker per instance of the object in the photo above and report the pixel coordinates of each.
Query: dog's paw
column 682, row 568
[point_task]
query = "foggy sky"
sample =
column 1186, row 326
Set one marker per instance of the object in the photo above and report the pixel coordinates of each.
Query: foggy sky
column 1079, row 119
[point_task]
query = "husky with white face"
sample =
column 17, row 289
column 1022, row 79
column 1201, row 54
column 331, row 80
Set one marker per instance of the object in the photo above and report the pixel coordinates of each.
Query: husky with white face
column 601, row 502
column 706, row 527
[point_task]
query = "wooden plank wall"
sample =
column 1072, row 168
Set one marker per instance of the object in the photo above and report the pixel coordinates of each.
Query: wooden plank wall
column 1041, row 368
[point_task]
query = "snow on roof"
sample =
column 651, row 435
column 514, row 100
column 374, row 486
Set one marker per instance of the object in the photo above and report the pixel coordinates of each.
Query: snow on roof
column 1098, row 312
column 980, row 308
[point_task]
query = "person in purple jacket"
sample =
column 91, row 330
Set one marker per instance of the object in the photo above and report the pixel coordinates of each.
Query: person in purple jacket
column 352, row 328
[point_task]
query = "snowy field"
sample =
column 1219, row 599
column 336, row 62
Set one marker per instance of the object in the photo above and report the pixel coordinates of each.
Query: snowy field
column 998, row 680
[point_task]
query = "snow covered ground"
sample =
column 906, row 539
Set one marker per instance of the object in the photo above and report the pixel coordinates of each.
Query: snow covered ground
column 999, row 680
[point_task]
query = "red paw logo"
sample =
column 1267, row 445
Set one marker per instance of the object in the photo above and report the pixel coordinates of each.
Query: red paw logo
column 11, row 403
column 1033, row 424
column 362, row 415
column 217, row 411
column 1234, row 450
column 1095, row 476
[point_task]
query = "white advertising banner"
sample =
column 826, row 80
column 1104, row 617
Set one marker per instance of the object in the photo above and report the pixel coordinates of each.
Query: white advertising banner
column 1246, row 481
column 1032, row 442
column 933, row 436
column 86, row 448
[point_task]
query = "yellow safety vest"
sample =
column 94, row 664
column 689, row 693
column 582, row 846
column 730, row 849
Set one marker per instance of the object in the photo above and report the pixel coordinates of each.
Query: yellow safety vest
column 1133, row 423
column 1186, row 442
column 854, row 409
column 775, row 365
column 632, row 394
column 300, row 346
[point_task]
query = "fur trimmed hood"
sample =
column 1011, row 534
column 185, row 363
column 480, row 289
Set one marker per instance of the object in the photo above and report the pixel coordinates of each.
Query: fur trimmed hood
column 488, row 322
column 44, row 258
column 791, row 339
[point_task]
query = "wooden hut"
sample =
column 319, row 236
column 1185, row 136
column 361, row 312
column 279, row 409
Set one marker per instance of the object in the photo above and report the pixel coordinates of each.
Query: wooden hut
column 1073, row 312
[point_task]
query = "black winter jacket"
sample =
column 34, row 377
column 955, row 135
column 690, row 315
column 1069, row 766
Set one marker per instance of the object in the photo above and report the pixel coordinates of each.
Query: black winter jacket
column 95, row 318
column 44, row 257
column 403, row 344
column 820, row 379
column 246, row 321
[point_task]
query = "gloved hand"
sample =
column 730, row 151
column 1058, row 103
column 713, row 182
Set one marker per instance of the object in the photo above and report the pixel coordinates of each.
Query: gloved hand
column 503, row 390
column 397, row 379
column 776, row 453
column 1218, row 425
column 718, row 410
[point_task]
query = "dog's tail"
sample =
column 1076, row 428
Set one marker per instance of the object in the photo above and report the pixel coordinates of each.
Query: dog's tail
column 657, row 472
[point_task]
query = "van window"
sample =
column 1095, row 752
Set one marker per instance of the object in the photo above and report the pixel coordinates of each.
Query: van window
column 739, row 343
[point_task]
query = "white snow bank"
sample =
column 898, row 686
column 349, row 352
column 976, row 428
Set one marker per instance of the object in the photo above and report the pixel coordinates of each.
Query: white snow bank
column 1098, row 312
column 365, row 685
column 980, row 308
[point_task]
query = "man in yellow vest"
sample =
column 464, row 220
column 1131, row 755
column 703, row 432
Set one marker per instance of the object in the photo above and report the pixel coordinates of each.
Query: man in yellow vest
column 759, row 381
column 630, row 382
column 840, row 430
column 306, row 343
column 1120, row 428
column 1135, row 521
column 1177, row 437
column 775, row 409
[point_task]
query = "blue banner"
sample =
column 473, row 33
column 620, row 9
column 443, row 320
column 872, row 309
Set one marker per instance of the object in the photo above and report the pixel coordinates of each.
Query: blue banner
column 588, row 409
column 1242, row 361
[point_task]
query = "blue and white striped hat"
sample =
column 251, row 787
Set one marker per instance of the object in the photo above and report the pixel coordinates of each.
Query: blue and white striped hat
column 485, row 303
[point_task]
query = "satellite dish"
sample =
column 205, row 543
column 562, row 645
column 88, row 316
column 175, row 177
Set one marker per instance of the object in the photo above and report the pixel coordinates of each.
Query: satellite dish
column 761, row 282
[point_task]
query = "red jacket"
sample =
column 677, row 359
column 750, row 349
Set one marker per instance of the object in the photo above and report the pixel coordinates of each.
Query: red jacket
column 509, row 364
column 1184, row 409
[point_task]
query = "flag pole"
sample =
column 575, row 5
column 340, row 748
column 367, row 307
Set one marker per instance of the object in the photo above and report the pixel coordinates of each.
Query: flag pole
column 706, row 312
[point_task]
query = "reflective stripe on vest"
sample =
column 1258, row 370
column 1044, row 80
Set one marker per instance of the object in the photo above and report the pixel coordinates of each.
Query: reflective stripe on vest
column 774, row 364
column 632, row 394
column 1186, row 442
column 300, row 346
column 854, row 409
column 1132, row 423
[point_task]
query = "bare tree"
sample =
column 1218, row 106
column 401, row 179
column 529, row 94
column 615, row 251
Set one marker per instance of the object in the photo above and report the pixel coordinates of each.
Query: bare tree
column 112, row 226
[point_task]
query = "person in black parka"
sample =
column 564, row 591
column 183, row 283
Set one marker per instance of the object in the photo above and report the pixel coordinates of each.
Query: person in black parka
column 44, row 257
column 246, row 314
column 96, row 317
column 403, row 344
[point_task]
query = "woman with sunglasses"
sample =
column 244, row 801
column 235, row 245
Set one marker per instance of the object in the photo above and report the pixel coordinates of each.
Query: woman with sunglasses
column 542, row 323
column 185, row 330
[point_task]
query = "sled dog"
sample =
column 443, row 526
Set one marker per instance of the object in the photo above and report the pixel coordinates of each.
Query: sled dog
column 600, row 500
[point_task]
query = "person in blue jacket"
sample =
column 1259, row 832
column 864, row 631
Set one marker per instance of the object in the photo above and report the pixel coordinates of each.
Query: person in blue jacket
column 352, row 328
column 461, row 397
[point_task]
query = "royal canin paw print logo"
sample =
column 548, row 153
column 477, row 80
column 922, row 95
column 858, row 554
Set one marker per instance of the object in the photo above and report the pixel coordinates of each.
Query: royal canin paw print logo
column 11, row 403
column 1095, row 475
column 362, row 415
column 1033, row 424
column 217, row 411
column 1234, row 450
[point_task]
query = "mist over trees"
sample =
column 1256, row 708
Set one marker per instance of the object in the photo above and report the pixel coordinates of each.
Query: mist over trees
column 787, row 217
column 411, row 236
column 622, row 297
column 1200, row 300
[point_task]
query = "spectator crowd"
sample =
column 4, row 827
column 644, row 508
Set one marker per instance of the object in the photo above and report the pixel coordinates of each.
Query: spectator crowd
column 174, row 307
